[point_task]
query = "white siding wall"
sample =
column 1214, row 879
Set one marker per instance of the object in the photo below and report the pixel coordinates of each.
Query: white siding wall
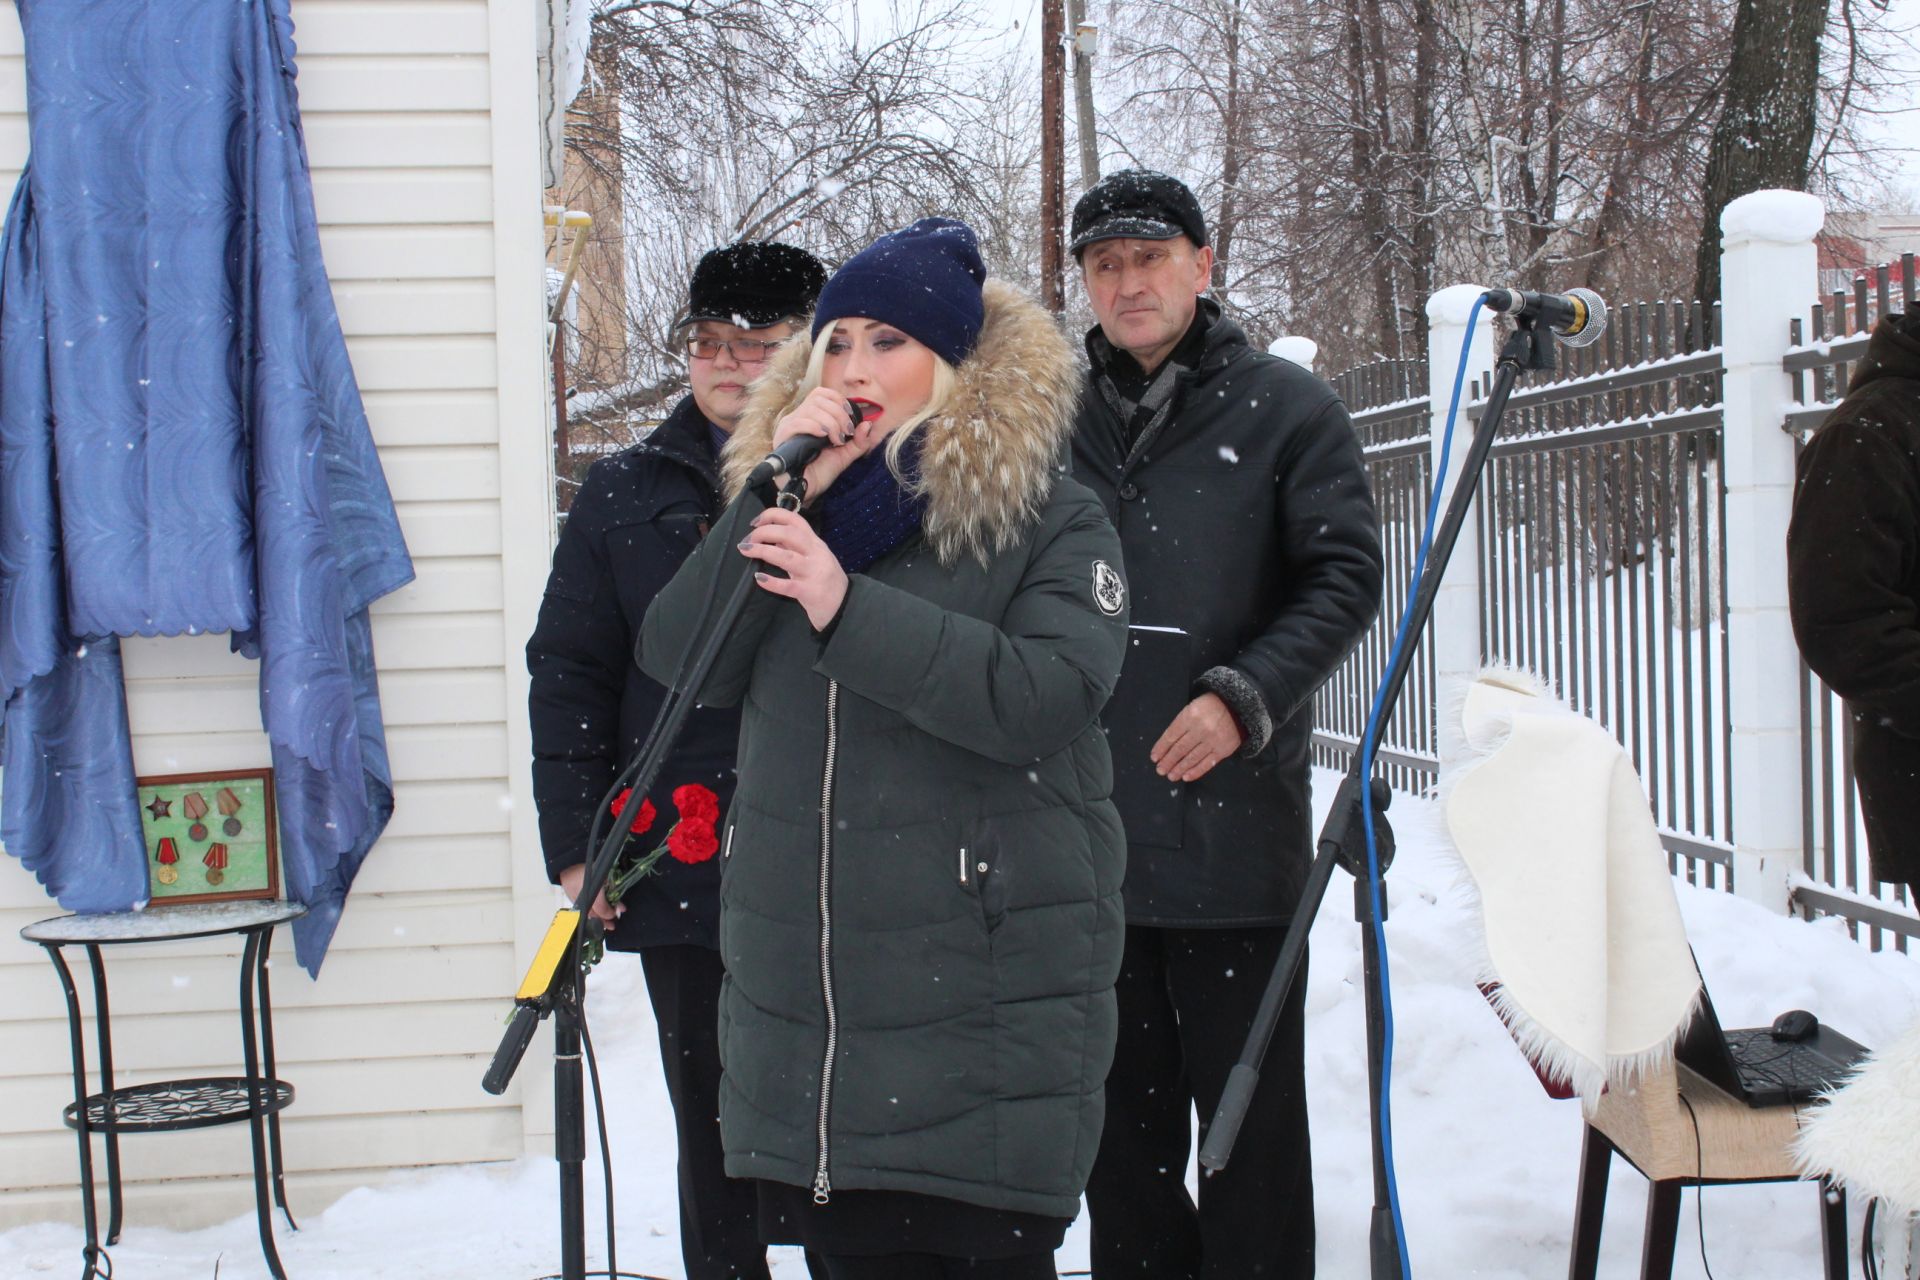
column 420, row 121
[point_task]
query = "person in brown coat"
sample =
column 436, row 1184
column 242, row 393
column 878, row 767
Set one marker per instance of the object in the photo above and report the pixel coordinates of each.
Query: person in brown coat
column 1853, row 582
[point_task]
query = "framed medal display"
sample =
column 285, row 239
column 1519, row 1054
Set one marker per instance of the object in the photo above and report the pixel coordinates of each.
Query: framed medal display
column 210, row 837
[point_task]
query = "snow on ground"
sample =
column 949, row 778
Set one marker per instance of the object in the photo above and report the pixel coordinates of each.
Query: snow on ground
column 1486, row 1160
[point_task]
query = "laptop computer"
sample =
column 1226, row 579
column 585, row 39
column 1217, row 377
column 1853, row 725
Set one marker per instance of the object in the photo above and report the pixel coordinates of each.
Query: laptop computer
column 1759, row 1068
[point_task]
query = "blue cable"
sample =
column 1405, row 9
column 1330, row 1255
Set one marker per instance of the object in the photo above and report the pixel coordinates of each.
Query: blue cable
column 1368, row 745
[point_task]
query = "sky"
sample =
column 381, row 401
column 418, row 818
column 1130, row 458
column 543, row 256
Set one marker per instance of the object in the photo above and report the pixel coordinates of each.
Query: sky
column 1901, row 128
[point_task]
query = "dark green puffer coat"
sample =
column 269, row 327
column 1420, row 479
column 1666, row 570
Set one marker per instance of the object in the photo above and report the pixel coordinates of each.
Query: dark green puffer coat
column 920, row 886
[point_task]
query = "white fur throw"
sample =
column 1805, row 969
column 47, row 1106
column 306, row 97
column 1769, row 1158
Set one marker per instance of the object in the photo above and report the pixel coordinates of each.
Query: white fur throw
column 1581, row 928
column 1862, row 1136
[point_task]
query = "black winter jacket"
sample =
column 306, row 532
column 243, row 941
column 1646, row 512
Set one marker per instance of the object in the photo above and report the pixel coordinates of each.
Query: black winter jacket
column 638, row 516
column 920, row 902
column 1853, row 570
column 1246, row 522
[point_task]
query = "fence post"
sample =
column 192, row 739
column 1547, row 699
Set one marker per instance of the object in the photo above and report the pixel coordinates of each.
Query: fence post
column 1456, row 609
column 1302, row 351
column 1768, row 274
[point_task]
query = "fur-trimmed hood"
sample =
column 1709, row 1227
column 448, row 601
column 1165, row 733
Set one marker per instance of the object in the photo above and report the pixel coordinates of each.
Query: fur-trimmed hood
column 989, row 460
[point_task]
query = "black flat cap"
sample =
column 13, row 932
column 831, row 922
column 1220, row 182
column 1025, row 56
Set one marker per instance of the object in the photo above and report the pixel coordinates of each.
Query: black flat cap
column 1136, row 204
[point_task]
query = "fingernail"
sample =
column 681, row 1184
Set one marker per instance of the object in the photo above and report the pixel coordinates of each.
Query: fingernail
column 760, row 577
column 744, row 543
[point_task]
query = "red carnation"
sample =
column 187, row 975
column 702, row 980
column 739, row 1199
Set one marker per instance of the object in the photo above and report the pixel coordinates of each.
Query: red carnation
column 641, row 820
column 693, row 841
column 696, row 804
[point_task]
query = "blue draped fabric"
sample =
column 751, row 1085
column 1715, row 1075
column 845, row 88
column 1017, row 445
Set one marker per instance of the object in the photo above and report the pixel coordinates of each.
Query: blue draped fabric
column 182, row 443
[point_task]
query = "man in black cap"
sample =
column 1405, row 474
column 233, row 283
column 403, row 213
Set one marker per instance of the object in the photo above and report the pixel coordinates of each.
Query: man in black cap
column 1253, row 554
column 638, row 515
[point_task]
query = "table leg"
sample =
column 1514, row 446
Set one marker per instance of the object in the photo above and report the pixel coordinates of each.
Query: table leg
column 1833, row 1230
column 256, row 1103
column 1663, row 1229
column 1590, row 1206
column 266, row 1045
column 104, row 1034
column 91, row 1254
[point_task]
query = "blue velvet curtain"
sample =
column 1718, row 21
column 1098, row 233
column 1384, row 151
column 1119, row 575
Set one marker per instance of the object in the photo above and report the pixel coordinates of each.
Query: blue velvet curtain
column 182, row 443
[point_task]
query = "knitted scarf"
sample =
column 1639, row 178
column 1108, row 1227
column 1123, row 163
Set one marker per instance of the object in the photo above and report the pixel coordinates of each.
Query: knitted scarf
column 868, row 511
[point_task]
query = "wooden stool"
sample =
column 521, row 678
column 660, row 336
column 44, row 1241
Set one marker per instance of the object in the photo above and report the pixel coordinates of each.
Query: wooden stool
column 1651, row 1126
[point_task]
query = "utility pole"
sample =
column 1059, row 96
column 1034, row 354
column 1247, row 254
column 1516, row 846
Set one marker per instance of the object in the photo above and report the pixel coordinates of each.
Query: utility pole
column 1086, row 41
column 1053, row 68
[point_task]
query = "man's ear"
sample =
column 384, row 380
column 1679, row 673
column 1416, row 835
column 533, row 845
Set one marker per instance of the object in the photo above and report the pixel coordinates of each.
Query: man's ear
column 1203, row 261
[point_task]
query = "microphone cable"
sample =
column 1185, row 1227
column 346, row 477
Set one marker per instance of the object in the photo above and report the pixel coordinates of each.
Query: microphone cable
column 1369, row 744
column 675, row 692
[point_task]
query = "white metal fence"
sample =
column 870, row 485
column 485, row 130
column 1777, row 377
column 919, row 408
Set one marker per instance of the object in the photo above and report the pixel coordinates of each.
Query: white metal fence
column 1628, row 547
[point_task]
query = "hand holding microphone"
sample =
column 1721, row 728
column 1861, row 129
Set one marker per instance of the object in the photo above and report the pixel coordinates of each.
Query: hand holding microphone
column 821, row 438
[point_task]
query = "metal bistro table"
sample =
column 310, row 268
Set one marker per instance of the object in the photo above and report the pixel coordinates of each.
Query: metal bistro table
column 255, row 1097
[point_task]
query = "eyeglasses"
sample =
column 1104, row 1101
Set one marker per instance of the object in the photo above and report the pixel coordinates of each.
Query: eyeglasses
column 745, row 350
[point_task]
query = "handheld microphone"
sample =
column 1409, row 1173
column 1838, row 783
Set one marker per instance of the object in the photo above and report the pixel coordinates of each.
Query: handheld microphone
column 1577, row 317
column 792, row 455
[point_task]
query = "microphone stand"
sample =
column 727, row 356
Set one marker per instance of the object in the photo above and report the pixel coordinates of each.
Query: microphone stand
column 1343, row 839
column 555, row 984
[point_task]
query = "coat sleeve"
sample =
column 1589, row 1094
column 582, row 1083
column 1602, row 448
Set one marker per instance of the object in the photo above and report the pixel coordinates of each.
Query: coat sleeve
column 577, row 659
column 1015, row 692
column 1851, row 548
column 1330, row 540
column 695, row 597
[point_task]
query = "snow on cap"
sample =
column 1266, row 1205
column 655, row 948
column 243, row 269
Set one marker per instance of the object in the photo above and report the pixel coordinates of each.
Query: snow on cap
column 1137, row 204
column 753, row 283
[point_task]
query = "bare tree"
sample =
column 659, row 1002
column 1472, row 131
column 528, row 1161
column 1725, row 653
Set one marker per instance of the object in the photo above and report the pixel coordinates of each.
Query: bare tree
column 771, row 119
column 1356, row 154
column 1764, row 134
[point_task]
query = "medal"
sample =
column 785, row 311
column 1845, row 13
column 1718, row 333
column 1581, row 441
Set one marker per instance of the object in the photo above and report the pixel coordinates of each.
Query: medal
column 195, row 806
column 166, row 854
column 230, row 805
column 216, row 860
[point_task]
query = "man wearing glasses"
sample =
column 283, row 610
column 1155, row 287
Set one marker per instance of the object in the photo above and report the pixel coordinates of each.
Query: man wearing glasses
column 638, row 515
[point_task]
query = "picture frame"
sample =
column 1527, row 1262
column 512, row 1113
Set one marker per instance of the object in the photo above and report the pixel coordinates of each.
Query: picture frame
column 210, row 837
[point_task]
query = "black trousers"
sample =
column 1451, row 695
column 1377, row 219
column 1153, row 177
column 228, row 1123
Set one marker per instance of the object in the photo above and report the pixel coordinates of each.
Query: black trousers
column 719, row 1230
column 929, row 1266
column 1187, row 998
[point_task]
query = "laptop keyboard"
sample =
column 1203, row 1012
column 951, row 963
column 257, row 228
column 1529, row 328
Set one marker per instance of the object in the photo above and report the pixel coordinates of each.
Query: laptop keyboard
column 1799, row 1068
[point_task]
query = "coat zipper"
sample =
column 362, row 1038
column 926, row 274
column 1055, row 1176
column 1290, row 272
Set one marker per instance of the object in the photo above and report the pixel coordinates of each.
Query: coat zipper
column 963, row 864
column 822, row 1186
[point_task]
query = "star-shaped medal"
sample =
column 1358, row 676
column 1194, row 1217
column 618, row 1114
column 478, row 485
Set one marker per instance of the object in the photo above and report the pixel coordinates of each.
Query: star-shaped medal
column 160, row 808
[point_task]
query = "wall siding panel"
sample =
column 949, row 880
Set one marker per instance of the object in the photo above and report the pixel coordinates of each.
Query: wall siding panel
column 407, row 125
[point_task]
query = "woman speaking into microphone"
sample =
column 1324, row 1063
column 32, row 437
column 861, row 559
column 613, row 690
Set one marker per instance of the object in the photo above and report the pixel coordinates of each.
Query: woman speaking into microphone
column 920, row 884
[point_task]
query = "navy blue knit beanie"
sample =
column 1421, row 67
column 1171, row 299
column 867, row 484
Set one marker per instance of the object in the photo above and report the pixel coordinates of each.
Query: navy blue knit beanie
column 924, row 280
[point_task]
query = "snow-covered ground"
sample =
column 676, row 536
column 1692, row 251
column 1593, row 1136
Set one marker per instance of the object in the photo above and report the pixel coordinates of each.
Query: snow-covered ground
column 1486, row 1160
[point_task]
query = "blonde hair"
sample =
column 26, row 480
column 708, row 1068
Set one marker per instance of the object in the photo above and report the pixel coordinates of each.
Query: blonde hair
column 944, row 382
